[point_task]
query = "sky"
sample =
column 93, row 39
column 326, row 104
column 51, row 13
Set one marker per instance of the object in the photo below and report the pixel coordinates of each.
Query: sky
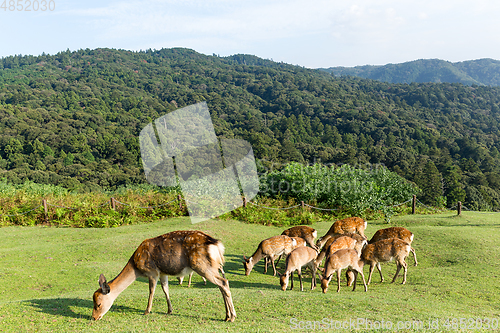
column 309, row 33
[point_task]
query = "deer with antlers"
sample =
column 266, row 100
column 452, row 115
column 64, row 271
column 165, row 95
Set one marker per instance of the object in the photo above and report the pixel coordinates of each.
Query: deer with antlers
column 177, row 253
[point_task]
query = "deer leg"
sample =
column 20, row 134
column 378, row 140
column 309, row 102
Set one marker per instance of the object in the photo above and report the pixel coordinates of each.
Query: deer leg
column 350, row 276
column 338, row 280
column 313, row 279
column 291, row 280
column 164, row 286
column 223, row 285
column 362, row 276
column 400, row 264
column 414, row 256
column 372, row 268
column 266, row 260
column 278, row 261
column 380, row 271
column 274, row 267
column 152, row 286
column 299, row 272
column 222, row 271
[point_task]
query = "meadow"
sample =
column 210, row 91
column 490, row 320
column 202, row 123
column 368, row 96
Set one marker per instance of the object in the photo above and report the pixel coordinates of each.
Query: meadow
column 48, row 275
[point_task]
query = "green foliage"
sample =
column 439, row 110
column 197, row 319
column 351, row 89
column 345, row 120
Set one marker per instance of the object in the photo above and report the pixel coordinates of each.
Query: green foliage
column 355, row 191
column 22, row 205
column 73, row 119
column 481, row 72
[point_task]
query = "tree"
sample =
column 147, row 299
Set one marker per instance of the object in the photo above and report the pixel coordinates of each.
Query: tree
column 430, row 181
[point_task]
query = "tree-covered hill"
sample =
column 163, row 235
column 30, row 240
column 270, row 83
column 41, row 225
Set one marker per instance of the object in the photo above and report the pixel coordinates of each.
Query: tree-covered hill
column 73, row 119
column 478, row 72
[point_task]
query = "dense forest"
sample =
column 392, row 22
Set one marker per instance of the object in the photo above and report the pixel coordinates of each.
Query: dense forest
column 73, row 119
column 479, row 72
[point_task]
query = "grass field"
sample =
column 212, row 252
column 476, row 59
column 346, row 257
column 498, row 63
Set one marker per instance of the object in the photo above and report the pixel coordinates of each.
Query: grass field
column 48, row 275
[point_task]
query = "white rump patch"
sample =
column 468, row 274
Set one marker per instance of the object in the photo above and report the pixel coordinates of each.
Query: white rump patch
column 411, row 238
column 214, row 253
column 315, row 234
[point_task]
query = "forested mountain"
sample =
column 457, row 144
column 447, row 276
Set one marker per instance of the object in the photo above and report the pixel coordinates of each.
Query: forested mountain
column 73, row 119
column 474, row 72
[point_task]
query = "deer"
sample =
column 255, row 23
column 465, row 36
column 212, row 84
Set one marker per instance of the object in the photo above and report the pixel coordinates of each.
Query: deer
column 269, row 248
column 300, row 242
column 383, row 251
column 177, row 253
column 347, row 225
column 340, row 242
column 395, row 232
column 305, row 232
column 299, row 257
column 336, row 262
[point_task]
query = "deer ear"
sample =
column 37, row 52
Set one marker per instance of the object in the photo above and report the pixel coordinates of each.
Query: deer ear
column 104, row 284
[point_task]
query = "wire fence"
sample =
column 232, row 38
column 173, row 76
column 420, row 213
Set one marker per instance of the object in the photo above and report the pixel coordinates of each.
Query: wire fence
column 112, row 202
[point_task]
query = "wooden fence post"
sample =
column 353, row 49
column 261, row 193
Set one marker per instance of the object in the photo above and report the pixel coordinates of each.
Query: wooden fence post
column 45, row 210
column 245, row 201
column 113, row 203
column 414, row 204
column 459, row 208
column 179, row 197
column 302, row 204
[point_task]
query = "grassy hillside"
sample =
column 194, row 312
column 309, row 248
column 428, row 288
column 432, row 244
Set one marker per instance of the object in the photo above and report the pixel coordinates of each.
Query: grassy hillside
column 49, row 274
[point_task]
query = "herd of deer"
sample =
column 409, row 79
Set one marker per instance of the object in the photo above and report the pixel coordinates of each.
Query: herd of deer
column 180, row 253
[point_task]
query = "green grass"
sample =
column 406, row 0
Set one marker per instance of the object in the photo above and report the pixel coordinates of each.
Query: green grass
column 48, row 275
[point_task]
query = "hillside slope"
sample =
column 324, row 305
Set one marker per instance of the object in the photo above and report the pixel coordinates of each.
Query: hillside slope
column 474, row 72
column 73, row 119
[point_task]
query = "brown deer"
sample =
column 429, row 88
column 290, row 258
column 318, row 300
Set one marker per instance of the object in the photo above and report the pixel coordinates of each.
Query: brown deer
column 336, row 262
column 347, row 225
column 338, row 243
column 300, row 242
column 305, row 232
column 395, row 232
column 299, row 257
column 270, row 248
column 177, row 253
column 383, row 251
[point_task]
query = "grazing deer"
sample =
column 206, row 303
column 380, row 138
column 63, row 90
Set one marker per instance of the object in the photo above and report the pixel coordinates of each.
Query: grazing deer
column 395, row 232
column 181, row 278
column 307, row 233
column 299, row 257
column 177, row 253
column 336, row 262
column 383, row 251
column 347, row 225
column 300, row 242
column 270, row 248
column 338, row 243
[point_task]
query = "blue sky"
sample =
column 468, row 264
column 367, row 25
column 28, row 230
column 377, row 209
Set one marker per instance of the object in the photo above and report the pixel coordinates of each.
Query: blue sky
column 309, row 33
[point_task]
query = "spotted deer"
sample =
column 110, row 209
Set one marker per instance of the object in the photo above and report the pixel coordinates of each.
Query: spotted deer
column 303, row 231
column 270, row 248
column 338, row 243
column 299, row 257
column 395, row 232
column 383, row 251
column 336, row 262
column 177, row 253
column 347, row 225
